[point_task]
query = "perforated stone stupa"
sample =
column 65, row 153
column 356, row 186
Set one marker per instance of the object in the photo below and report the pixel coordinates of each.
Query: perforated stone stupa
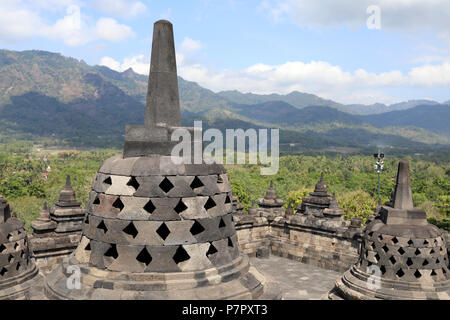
column 156, row 229
column 17, row 272
column 402, row 255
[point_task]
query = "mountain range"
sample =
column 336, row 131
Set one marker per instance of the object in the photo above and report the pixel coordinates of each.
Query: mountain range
column 44, row 94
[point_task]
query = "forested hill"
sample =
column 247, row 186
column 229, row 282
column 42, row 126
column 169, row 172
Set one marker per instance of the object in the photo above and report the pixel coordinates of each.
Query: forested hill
column 44, row 94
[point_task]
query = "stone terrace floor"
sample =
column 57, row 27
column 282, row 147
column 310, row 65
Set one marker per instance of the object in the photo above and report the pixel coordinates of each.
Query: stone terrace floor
column 293, row 280
column 286, row 279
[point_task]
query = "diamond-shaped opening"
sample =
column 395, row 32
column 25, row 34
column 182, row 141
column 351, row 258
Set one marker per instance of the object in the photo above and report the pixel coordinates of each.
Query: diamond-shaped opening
column 9, row 236
column 425, row 262
column 433, row 273
column 417, row 274
column 144, row 257
column 432, row 251
column 370, row 233
column 18, row 266
column 10, row 258
column 417, row 252
column 133, row 183
column 22, row 254
column 410, row 242
column 230, row 243
column 3, row 271
column 385, row 248
column 400, row 273
column 181, row 255
column 88, row 247
column 219, row 179
column 163, row 231
column 102, row 226
column 369, row 263
column 392, row 260
column 401, row 251
column 180, row 207
column 112, row 252
column 425, row 242
column 409, row 262
column 373, row 245
column 209, row 204
column 227, row 199
column 96, row 200
column 16, row 245
column 394, row 240
column 166, row 185
column 131, row 230
column 222, row 223
column 444, row 271
column 380, row 237
column 118, row 204
column 377, row 257
column 108, row 181
column 2, row 248
column 438, row 261
column 196, row 228
column 211, row 250
column 196, row 183
column 150, row 207
column 383, row 269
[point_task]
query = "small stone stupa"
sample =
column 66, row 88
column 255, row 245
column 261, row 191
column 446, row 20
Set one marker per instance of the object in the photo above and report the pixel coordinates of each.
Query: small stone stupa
column 317, row 201
column 67, row 211
column 270, row 206
column 402, row 255
column 18, row 273
column 57, row 230
column 158, row 228
column 333, row 211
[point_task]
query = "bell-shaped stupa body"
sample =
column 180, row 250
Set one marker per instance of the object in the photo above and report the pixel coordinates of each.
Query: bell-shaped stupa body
column 402, row 255
column 158, row 228
column 18, row 273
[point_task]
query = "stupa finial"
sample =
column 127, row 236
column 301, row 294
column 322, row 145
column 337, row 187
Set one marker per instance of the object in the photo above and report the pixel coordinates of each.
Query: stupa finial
column 402, row 193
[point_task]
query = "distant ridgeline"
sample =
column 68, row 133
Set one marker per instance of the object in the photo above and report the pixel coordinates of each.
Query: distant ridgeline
column 46, row 96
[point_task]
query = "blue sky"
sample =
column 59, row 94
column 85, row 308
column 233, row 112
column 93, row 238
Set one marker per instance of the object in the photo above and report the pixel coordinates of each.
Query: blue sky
column 323, row 47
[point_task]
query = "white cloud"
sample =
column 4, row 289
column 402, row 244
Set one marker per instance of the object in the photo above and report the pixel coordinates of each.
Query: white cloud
column 431, row 75
column 109, row 29
column 399, row 14
column 140, row 64
column 20, row 21
column 120, row 8
column 189, row 45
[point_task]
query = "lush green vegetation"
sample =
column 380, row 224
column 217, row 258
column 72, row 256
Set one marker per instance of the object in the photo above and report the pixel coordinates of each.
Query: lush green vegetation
column 24, row 184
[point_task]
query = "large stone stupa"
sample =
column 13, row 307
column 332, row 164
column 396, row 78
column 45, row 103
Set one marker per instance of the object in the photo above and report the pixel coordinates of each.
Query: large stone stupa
column 402, row 255
column 155, row 228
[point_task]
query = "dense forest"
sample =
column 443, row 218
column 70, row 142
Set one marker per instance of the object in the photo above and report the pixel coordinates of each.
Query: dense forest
column 29, row 176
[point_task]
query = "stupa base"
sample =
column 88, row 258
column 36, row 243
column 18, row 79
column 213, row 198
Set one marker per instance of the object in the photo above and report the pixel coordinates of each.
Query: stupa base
column 358, row 285
column 18, row 287
column 237, row 280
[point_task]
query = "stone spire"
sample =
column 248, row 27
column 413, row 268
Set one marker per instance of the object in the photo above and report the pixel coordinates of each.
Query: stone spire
column 402, row 194
column 5, row 210
column 163, row 104
column 162, row 114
